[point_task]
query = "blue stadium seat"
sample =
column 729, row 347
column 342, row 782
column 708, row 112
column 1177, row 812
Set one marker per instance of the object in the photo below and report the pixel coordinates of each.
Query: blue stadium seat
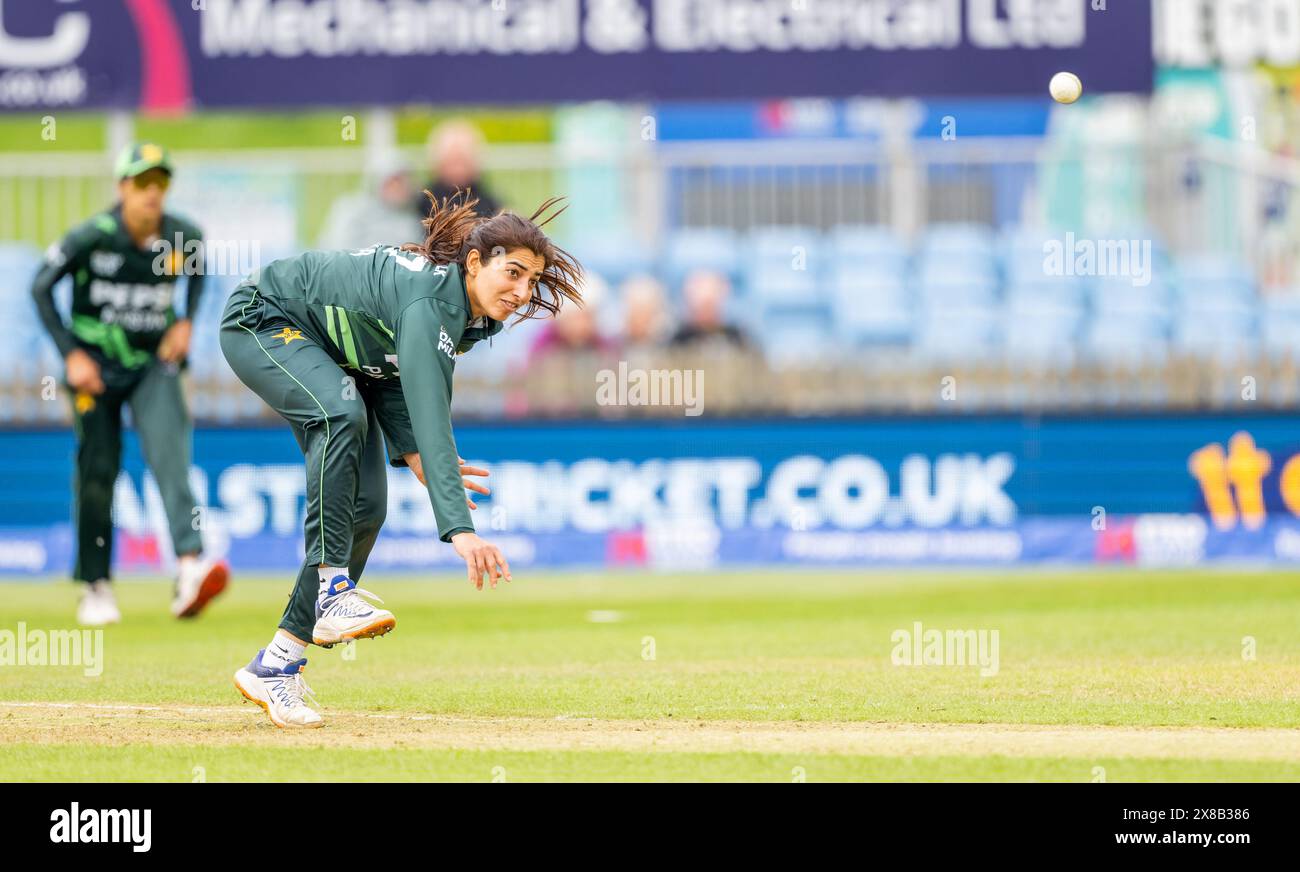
column 1213, row 267
column 958, row 239
column 1281, row 338
column 969, row 293
column 956, row 334
column 1121, row 295
column 1145, row 324
column 614, row 257
column 1196, row 290
column 1279, row 320
column 1024, row 267
column 780, row 284
column 694, row 248
column 1213, row 277
column 871, row 309
column 1023, row 254
column 793, row 334
column 1041, row 331
column 1029, row 303
column 773, row 249
column 952, row 254
column 870, row 247
column 1018, row 240
column 1281, row 306
column 955, row 268
column 1049, row 291
column 1221, row 328
column 1125, row 342
column 1231, row 314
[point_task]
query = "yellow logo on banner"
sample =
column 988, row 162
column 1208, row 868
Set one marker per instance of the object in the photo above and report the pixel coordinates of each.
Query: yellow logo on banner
column 1239, row 472
column 289, row 334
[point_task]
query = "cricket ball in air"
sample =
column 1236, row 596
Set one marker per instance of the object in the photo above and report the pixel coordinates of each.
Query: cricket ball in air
column 1066, row 88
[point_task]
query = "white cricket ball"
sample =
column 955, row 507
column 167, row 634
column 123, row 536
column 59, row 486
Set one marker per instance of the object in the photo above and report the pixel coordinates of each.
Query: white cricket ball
column 1066, row 88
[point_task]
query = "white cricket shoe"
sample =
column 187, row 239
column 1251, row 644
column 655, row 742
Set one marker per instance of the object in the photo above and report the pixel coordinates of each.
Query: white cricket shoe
column 198, row 582
column 98, row 606
column 342, row 615
column 280, row 692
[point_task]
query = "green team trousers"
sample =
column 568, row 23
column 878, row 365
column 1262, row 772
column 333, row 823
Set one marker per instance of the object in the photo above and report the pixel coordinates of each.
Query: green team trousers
column 341, row 442
column 158, row 412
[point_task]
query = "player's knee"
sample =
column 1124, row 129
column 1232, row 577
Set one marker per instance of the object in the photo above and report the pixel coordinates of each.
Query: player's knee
column 348, row 421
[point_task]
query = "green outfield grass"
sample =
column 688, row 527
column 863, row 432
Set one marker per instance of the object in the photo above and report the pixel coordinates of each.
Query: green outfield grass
column 769, row 676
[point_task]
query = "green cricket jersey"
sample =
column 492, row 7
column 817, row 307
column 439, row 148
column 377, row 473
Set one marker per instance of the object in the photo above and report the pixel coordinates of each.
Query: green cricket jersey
column 122, row 295
column 399, row 320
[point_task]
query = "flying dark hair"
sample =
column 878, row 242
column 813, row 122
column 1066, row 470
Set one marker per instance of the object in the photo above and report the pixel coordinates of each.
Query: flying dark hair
column 453, row 229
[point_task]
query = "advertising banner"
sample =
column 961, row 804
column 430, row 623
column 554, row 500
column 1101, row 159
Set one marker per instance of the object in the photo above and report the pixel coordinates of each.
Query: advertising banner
column 166, row 55
column 860, row 492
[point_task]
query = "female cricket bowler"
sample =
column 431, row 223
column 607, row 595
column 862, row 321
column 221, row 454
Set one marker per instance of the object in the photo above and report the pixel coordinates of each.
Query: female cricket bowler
column 347, row 346
column 126, row 345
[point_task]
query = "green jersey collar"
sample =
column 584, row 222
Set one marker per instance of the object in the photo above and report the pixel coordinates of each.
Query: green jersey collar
column 478, row 330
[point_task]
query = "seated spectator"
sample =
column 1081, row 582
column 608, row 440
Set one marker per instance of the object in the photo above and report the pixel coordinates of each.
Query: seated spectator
column 455, row 162
column 706, row 293
column 645, row 313
column 379, row 214
column 575, row 329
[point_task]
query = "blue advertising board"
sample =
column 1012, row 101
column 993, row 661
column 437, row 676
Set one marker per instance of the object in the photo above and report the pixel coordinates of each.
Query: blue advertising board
column 175, row 54
column 699, row 493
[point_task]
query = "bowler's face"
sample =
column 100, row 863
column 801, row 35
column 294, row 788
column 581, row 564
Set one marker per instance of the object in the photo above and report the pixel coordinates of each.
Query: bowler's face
column 508, row 281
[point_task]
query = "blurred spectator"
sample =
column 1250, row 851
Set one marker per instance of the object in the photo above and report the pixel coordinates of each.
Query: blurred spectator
column 706, row 293
column 378, row 214
column 576, row 329
column 455, row 160
column 645, row 313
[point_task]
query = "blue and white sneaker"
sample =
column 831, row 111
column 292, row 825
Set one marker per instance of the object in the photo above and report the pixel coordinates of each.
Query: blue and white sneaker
column 342, row 615
column 280, row 692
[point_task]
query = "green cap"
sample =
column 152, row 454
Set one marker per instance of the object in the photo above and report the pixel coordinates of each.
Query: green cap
column 140, row 157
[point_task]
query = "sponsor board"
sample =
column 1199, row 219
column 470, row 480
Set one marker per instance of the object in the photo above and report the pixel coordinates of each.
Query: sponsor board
column 173, row 54
column 1157, row 491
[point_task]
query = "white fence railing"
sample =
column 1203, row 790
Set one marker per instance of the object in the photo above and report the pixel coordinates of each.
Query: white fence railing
column 1207, row 197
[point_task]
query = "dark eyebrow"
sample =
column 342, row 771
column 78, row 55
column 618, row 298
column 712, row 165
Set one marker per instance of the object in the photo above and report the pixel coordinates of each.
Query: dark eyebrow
column 537, row 274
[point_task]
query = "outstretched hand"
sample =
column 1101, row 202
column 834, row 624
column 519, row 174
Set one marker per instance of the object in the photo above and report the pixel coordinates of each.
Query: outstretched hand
column 475, row 486
column 413, row 461
column 481, row 558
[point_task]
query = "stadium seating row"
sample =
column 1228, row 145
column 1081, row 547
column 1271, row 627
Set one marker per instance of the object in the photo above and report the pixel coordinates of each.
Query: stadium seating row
column 962, row 293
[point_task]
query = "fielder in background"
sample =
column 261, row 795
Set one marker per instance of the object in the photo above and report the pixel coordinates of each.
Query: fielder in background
column 126, row 345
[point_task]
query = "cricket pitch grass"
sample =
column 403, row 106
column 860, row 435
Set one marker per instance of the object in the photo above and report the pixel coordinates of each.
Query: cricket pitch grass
column 779, row 676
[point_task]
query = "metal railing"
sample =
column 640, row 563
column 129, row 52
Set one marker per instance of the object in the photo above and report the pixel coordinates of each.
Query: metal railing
column 1205, row 196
